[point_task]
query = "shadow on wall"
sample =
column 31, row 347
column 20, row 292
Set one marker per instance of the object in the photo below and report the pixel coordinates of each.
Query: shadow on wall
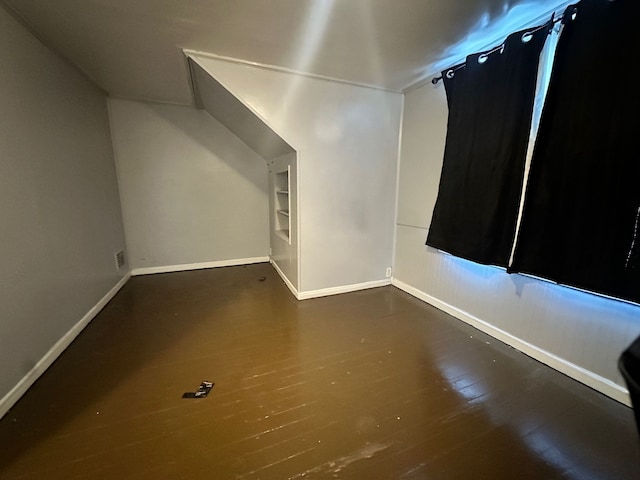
column 218, row 141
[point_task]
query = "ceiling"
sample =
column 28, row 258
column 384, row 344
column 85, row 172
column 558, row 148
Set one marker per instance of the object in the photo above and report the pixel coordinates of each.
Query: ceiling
column 135, row 48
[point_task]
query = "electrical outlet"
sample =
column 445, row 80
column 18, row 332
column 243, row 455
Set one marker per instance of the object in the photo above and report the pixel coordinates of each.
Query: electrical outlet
column 389, row 271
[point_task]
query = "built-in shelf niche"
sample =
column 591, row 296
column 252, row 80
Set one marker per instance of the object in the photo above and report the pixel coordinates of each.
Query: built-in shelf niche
column 283, row 205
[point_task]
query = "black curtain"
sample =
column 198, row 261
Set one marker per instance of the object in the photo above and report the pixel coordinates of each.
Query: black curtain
column 490, row 108
column 581, row 217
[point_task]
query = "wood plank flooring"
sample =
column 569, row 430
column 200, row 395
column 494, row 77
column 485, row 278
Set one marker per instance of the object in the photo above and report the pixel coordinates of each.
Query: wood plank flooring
column 366, row 385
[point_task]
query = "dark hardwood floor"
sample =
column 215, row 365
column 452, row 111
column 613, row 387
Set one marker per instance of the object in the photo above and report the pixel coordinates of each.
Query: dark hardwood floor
column 366, row 385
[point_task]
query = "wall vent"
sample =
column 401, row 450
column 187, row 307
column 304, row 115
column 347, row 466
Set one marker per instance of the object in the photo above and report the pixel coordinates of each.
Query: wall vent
column 120, row 260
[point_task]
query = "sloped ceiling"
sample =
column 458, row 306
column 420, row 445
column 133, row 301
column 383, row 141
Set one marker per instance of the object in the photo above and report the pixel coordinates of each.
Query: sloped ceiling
column 233, row 114
column 134, row 48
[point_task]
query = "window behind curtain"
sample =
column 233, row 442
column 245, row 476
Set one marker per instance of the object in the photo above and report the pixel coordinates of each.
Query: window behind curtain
column 490, row 101
column 580, row 222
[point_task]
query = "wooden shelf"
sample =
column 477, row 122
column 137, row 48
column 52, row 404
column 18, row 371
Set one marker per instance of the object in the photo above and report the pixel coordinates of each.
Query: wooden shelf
column 282, row 203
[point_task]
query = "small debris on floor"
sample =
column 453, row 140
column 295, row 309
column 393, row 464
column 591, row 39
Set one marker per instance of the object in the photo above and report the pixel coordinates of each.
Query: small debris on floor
column 262, row 279
column 203, row 390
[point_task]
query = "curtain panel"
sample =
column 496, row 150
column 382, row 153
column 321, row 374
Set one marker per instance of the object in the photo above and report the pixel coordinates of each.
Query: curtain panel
column 581, row 214
column 490, row 99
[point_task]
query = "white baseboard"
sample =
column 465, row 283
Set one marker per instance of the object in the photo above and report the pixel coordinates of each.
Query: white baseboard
column 198, row 266
column 324, row 292
column 285, row 279
column 45, row 362
column 591, row 379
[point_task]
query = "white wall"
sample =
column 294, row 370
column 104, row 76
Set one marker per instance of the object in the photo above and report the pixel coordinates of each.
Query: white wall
column 193, row 194
column 346, row 137
column 578, row 333
column 59, row 206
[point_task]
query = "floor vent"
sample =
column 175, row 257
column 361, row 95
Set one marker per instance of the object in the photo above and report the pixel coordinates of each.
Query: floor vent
column 119, row 259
